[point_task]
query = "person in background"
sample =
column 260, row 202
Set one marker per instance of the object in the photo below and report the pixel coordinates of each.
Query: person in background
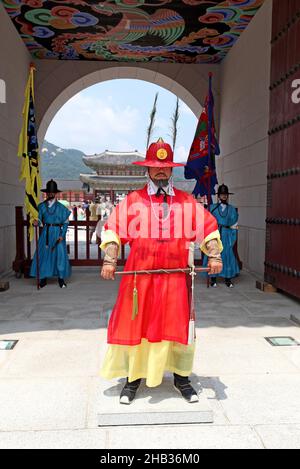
column 93, row 217
column 53, row 256
column 81, row 213
column 227, row 218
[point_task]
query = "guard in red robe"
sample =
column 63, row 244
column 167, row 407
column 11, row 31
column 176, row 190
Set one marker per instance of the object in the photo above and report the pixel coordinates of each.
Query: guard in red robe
column 149, row 325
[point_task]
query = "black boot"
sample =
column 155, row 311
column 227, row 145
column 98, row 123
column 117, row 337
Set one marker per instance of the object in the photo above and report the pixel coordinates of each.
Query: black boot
column 228, row 282
column 129, row 391
column 183, row 386
column 43, row 282
column 62, row 283
column 213, row 282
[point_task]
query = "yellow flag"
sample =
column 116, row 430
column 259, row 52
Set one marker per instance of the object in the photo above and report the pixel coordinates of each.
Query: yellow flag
column 29, row 152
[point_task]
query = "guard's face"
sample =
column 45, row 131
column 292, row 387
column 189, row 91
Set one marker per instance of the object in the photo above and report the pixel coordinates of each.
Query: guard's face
column 160, row 173
column 51, row 195
column 224, row 198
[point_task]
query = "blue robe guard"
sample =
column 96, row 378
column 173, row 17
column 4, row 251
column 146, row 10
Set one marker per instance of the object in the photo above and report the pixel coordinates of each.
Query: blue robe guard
column 53, row 262
column 226, row 219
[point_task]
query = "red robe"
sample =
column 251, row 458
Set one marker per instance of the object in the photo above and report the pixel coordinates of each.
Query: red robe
column 163, row 306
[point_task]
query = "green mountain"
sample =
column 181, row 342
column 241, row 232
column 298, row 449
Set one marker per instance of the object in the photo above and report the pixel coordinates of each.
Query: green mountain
column 66, row 164
column 60, row 163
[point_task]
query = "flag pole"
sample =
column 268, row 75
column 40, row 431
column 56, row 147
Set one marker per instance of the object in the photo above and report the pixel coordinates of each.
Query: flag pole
column 209, row 198
column 37, row 258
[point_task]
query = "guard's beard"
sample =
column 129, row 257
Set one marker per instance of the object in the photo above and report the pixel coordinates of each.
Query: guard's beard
column 161, row 182
column 50, row 198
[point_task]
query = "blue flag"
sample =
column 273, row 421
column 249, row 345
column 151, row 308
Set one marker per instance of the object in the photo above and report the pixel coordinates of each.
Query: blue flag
column 201, row 161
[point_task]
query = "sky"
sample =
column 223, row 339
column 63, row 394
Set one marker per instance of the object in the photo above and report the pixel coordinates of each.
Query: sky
column 114, row 115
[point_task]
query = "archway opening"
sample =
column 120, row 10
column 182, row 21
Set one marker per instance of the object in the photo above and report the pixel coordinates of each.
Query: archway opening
column 101, row 127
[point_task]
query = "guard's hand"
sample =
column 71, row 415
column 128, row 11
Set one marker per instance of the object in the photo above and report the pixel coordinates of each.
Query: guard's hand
column 36, row 223
column 60, row 239
column 108, row 272
column 215, row 267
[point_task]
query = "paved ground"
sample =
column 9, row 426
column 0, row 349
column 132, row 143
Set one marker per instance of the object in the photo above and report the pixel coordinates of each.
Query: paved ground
column 49, row 384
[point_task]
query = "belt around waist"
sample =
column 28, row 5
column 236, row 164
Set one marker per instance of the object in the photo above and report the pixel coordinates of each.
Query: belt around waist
column 53, row 224
column 47, row 225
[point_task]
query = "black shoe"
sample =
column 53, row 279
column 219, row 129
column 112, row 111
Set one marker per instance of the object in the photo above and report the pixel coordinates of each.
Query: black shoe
column 62, row 283
column 43, row 283
column 213, row 282
column 183, row 386
column 129, row 391
column 228, row 283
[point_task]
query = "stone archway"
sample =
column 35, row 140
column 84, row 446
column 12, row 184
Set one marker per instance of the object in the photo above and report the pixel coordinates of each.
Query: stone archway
column 56, row 84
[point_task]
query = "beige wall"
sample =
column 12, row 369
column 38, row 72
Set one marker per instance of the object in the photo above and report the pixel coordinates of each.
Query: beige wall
column 244, row 118
column 58, row 81
column 14, row 62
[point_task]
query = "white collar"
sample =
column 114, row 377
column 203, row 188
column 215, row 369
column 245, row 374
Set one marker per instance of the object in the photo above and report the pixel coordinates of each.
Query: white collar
column 51, row 202
column 153, row 188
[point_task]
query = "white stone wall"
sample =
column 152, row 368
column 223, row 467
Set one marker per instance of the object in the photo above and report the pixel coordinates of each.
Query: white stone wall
column 14, row 63
column 244, row 121
column 57, row 81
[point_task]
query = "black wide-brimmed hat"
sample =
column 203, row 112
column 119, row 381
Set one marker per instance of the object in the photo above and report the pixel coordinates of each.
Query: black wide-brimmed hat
column 51, row 187
column 223, row 190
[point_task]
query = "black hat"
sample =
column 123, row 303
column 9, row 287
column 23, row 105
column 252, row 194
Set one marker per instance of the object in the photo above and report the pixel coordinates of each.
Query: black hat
column 51, row 187
column 224, row 190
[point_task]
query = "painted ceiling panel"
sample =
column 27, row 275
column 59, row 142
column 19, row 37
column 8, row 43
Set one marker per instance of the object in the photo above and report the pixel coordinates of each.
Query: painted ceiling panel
column 187, row 31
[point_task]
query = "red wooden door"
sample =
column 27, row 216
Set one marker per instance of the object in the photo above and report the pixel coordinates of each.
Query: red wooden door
column 282, row 267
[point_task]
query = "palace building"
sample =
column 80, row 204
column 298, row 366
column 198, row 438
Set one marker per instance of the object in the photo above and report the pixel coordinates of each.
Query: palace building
column 115, row 175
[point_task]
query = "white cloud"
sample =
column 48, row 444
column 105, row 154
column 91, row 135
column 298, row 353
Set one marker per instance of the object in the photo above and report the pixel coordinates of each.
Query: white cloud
column 181, row 154
column 92, row 125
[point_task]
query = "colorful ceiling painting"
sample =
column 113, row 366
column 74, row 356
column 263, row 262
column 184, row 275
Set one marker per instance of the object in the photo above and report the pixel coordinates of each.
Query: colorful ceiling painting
column 187, row 31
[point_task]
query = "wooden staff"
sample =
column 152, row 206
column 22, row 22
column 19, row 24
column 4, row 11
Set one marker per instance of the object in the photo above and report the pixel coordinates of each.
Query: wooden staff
column 37, row 258
column 163, row 271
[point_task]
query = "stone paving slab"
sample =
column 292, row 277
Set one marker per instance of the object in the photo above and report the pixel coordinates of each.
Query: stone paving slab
column 180, row 437
column 62, row 439
column 185, row 437
column 279, row 436
column 153, row 406
column 58, row 357
column 10, row 312
column 260, row 399
column 35, row 329
column 296, row 319
column 240, row 355
column 105, row 408
column 51, row 387
column 43, row 403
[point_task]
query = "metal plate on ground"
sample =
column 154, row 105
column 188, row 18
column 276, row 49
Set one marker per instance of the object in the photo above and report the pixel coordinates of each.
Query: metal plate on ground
column 8, row 344
column 282, row 341
column 152, row 406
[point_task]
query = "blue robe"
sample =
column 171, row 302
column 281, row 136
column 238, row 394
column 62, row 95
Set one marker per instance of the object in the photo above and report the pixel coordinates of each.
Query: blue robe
column 56, row 263
column 228, row 236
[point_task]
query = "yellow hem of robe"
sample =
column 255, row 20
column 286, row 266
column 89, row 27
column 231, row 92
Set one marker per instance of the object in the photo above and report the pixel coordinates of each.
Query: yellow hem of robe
column 148, row 360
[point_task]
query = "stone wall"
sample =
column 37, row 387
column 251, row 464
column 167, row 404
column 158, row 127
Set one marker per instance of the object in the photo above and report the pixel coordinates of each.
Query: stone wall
column 58, row 81
column 244, row 118
column 14, row 64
